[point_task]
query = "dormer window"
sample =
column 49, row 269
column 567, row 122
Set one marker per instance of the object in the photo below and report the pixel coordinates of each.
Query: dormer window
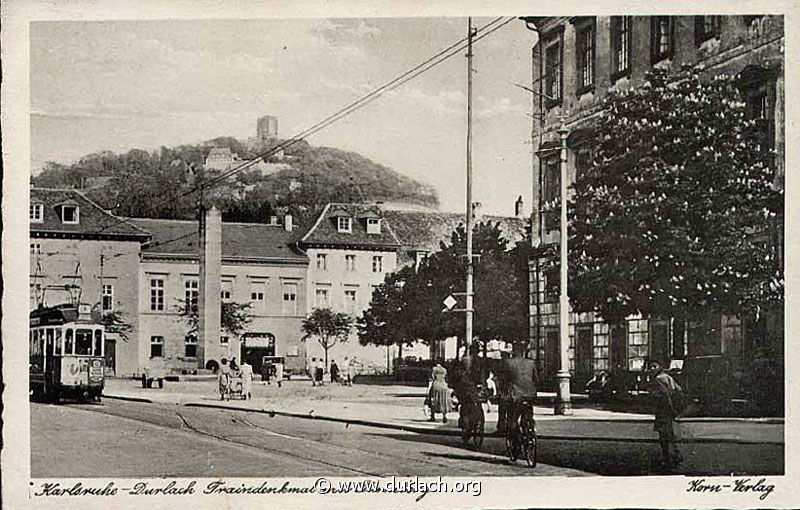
column 344, row 224
column 373, row 225
column 70, row 214
column 36, row 213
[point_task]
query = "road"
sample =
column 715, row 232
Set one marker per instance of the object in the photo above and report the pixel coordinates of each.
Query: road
column 130, row 439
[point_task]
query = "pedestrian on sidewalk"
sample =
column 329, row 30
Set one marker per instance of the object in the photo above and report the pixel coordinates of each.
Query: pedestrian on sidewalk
column 246, row 371
column 439, row 393
column 224, row 379
column 666, row 392
column 334, row 371
column 346, row 372
column 351, row 371
column 319, row 372
column 311, row 368
column 491, row 391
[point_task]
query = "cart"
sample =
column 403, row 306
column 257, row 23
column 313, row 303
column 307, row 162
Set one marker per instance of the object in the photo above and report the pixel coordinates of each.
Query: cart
column 235, row 388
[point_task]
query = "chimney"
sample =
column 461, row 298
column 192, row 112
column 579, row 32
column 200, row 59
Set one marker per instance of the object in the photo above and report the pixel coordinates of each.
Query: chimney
column 287, row 222
column 518, row 208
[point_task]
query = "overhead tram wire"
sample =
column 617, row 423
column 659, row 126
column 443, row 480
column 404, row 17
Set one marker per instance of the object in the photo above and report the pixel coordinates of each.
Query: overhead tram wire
column 437, row 59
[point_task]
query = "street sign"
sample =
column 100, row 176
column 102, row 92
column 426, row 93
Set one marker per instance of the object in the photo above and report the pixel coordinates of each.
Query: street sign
column 450, row 302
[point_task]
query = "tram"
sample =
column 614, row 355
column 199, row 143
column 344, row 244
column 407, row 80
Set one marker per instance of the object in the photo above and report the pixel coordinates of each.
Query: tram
column 66, row 354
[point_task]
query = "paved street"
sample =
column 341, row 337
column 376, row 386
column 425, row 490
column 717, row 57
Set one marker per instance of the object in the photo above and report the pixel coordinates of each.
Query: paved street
column 132, row 439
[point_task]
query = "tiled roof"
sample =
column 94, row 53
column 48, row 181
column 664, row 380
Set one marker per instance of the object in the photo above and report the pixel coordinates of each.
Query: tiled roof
column 325, row 230
column 245, row 240
column 424, row 231
column 93, row 219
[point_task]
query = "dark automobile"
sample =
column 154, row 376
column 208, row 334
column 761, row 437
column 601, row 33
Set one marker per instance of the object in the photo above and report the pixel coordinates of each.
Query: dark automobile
column 714, row 385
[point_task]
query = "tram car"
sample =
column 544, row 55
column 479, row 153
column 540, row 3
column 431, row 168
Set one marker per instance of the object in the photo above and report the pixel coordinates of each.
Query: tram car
column 66, row 354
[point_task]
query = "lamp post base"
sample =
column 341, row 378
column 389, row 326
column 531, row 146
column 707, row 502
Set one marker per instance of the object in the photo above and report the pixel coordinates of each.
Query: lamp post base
column 563, row 402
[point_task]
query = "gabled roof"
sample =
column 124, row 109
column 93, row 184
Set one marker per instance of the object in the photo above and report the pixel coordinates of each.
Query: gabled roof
column 94, row 220
column 252, row 241
column 325, row 231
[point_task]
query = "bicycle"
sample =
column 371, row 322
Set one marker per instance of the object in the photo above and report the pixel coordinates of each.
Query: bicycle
column 521, row 434
column 472, row 421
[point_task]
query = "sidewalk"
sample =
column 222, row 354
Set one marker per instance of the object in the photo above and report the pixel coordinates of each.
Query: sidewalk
column 400, row 407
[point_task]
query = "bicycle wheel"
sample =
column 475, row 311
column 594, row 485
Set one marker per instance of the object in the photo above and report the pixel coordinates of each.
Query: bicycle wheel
column 477, row 430
column 511, row 446
column 529, row 433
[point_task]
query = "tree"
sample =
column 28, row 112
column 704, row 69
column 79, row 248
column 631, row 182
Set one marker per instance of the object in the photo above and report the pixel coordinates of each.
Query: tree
column 408, row 305
column 234, row 317
column 329, row 327
column 669, row 217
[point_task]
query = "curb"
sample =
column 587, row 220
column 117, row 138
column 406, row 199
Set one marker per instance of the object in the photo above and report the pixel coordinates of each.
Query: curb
column 130, row 399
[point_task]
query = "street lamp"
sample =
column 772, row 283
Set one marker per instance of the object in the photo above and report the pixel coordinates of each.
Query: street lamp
column 563, row 404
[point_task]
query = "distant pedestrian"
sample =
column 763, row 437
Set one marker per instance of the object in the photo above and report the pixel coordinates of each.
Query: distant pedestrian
column 346, row 371
column 334, row 371
column 491, row 391
column 319, row 372
column 439, row 394
column 351, row 371
column 246, row 372
column 666, row 392
column 224, row 378
column 311, row 370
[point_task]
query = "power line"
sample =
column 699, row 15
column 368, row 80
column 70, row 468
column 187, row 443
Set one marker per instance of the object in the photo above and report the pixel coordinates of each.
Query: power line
column 360, row 103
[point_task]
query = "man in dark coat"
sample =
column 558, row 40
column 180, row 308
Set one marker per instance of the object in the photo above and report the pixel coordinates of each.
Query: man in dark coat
column 517, row 384
column 665, row 392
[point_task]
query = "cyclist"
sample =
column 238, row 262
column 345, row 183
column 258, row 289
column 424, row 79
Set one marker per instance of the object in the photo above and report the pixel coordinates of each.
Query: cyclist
column 517, row 390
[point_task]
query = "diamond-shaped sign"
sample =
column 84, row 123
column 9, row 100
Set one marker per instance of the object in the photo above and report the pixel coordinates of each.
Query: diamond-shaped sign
column 450, row 302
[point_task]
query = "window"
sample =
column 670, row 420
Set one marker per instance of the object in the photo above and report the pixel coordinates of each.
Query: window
column 585, row 48
column 36, row 213
column 705, row 28
column 224, row 340
column 156, row 294
column 322, row 261
column 551, row 192
column 321, row 298
column 661, row 38
column 350, row 262
column 68, row 343
column 257, row 294
column 583, row 161
column 190, row 343
column 757, row 85
column 83, row 341
column 36, row 249
column 373, row 226
column 552, row 73
column 350, row 300
column 552, row 284
column 620, row 46
column 377, row 264
column 289, row 299
column 191, row 293
column 98, row 342
column 108, row 298
column 226, row 292
column 70, row 214
column 344, row 224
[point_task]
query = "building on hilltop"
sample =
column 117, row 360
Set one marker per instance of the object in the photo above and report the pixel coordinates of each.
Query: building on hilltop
column 576, row 62
column 79, row 253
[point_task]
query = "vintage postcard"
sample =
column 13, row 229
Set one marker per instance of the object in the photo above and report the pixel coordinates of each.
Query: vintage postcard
column 429, row 256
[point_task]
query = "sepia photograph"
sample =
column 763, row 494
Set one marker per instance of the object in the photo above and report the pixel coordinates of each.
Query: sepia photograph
column 436, row 256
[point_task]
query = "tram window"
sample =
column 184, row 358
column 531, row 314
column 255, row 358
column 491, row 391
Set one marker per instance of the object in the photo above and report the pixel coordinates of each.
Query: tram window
column 68, row 341
column 57, row 343
column 39, row 341
column 98, row 342
column 83, row 341
column 49, row 350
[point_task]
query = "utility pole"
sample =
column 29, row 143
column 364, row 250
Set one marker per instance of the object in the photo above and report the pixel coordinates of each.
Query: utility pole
column 468, row 335
column 563, row 403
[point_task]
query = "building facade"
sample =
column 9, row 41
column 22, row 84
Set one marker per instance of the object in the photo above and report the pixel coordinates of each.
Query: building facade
column 577, row 61
column 79, row 253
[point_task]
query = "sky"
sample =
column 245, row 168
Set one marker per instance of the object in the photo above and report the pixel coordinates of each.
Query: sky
column 118, row 85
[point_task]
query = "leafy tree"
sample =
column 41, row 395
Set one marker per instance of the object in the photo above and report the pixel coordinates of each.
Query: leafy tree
column 234, row 317
column 113, row 320
column 670, row 216
column 328, row 326
column 389, row 320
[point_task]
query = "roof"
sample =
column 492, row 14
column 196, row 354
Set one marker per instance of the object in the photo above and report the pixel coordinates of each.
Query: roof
column 424, row 231
column 239, row 240
column 325, row 231
column 93, row 219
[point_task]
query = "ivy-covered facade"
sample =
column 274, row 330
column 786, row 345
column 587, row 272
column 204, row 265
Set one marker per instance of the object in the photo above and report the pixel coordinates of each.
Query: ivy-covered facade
column 577, row 62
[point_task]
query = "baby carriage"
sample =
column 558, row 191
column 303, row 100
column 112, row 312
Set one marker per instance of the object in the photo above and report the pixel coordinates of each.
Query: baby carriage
column 234, row 389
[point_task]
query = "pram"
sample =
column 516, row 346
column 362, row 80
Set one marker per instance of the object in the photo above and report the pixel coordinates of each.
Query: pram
column 235, row 388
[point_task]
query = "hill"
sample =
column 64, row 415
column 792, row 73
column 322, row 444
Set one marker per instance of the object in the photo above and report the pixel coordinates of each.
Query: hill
column 159, row 184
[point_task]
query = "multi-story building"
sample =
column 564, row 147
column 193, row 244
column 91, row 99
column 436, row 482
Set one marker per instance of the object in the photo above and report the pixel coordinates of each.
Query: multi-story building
column 259, row 266
column 80, row 253
column 576, row 62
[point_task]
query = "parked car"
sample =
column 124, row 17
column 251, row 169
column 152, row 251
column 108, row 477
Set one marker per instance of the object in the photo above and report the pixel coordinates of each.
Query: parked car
column 713, row 384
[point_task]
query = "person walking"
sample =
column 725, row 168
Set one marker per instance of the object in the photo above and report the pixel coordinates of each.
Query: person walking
column 665, row 392
column 334, row 371
column 491, row 391
column 351, row 371
column 224, row 378
column 311, row 370
column 246, row 373
column 319, row 372
column 439, row 393
column 346, row 371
